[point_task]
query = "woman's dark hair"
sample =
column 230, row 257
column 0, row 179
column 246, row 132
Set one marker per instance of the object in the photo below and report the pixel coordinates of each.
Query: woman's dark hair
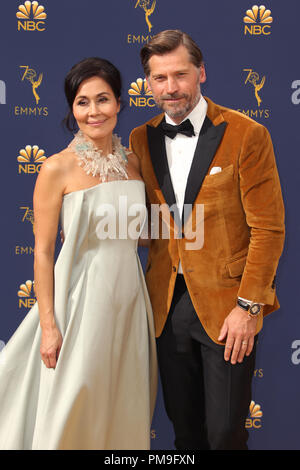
column 87, row 68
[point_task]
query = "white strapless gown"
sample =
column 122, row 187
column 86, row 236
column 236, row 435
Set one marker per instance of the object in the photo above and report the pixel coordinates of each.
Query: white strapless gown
column 102, row 393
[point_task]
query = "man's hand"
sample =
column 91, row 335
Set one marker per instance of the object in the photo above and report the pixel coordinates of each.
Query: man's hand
column 239, row 330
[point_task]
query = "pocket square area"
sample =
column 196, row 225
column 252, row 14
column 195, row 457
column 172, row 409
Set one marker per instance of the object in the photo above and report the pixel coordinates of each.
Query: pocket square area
column 215, row 169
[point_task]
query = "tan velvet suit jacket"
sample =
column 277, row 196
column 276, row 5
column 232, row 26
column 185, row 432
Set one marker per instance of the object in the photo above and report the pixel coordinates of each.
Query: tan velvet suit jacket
column 243, row 218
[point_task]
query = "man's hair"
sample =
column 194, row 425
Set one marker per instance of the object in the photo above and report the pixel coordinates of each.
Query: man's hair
column 167, row 41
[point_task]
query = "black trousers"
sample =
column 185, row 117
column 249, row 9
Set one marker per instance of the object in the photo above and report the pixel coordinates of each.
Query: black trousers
column 206, row 398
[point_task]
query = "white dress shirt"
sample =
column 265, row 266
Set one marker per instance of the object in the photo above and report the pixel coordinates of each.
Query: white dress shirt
column 180, row 153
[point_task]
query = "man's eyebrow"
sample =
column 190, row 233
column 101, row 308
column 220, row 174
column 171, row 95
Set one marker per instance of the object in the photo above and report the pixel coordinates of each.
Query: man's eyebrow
column 162, row 74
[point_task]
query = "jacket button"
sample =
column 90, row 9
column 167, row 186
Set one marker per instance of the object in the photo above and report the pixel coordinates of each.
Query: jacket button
column 174, row 268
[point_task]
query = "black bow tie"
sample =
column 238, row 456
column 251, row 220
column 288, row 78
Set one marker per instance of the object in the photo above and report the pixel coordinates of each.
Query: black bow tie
column 186, row 128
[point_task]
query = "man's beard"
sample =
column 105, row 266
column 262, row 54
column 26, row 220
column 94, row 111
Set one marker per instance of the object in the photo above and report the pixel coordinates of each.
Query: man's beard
column 178, row 110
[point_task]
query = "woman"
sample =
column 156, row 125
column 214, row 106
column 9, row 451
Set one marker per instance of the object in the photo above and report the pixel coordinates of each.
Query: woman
column 92, row 325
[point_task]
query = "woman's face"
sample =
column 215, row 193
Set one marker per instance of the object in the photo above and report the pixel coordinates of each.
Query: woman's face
column 95, row 108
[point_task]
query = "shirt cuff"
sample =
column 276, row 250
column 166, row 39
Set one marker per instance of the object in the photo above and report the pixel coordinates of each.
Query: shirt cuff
column 249, row 301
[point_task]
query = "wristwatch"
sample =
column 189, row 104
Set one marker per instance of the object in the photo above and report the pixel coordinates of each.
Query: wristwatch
column 252, row 308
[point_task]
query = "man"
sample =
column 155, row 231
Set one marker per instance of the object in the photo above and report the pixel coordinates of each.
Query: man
column 208, row 302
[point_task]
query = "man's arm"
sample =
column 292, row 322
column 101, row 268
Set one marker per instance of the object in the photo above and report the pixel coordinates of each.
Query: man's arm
column 263, row 205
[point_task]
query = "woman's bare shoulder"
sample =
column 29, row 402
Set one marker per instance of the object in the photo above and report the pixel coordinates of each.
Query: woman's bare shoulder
column 59, row 163
column 134, row 160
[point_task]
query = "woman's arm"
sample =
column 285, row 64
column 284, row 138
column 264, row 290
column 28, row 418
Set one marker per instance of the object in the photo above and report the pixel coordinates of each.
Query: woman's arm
column 144, row 239
column 47, row 201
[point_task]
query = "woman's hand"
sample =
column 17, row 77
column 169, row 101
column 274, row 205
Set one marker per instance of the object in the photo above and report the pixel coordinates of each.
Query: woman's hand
column 50, row 346
column 47, row 202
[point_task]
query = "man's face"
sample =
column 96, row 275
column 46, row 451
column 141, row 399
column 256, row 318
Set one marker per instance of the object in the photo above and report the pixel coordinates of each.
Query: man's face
column 175, row 82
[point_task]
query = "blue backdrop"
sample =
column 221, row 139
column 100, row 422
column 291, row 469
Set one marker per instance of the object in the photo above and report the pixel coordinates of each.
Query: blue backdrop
column 252, row 63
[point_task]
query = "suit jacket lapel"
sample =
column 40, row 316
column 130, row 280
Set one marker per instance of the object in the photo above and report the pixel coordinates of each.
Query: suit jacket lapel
column 207, row 145
column 157, row 148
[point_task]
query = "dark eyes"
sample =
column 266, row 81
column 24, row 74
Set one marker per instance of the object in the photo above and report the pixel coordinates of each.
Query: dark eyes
column 102, row 99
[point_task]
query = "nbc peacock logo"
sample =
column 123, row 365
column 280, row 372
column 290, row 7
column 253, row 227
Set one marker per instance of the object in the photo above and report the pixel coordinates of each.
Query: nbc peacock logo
column 26, row 294
column 257, row 21
column 140, row 94
column 31, row 17
column 254, row 417
column 30, row 159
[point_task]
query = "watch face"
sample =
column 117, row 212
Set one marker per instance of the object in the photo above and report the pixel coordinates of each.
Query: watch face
column 255, row 309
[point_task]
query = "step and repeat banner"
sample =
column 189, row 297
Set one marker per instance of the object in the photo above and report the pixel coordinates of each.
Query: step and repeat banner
column 251, row 54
